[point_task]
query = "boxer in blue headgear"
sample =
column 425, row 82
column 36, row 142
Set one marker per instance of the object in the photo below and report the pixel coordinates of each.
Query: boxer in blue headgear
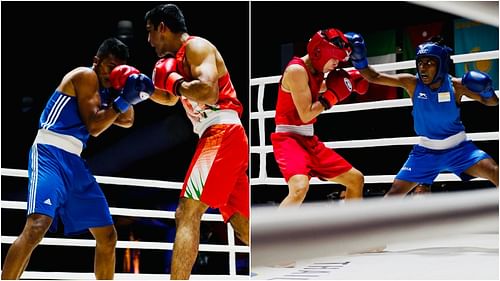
column 436, row 98
column 435, row 51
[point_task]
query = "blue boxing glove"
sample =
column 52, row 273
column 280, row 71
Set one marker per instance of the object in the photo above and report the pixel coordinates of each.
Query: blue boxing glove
column 478, row 82
column 138, row 88
column 358, row 55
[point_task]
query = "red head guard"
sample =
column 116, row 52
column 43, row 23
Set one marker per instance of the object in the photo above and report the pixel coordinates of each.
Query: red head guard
column 327, row 44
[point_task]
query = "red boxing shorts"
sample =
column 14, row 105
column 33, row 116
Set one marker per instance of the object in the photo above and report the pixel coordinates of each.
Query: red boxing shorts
column 217, row 175
column 303, row 155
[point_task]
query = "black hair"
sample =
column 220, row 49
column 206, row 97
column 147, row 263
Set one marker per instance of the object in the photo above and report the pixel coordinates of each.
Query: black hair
column 441, row 42
column 170, row 15
column 438, row 40
column 115, row 47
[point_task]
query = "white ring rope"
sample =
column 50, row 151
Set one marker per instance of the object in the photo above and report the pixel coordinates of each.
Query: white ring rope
column 17, row 205
column 486, row 136
column 231, row 248
column 480, row 11
column 443, row 177
column 320, row 229
column 355, row 107
column 37, row 275
column 488, row 55
column 109, row 180
column 129, row 244
column 262, row 149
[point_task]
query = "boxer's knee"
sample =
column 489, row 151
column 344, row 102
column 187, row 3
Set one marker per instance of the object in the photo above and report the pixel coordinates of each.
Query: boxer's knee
column 298, row 186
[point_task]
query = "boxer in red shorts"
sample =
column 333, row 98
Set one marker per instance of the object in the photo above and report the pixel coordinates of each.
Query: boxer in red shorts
column 303, row 94
column 192, row 70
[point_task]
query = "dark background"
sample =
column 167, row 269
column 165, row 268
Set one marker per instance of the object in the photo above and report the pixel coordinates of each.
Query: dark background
column 294, row 22
column 41, row 42
column 276, row 23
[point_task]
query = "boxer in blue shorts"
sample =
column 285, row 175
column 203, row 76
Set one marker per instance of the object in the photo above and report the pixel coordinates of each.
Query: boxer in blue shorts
column 60, row 183
column 436, row 98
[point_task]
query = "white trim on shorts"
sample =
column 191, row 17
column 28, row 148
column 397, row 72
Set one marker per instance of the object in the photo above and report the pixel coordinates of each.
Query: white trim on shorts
column 64, row 142
column 446, row 143
column 223, row 116
column 303, row 130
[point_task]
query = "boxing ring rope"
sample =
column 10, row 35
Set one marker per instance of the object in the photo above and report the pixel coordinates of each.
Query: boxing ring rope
column 109, row 180
column 325, row 229
column 262, row 149
column 231, row 248
column 480, row 11
column 41, row 275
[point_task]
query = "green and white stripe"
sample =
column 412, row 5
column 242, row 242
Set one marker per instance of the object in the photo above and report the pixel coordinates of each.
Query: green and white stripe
column 381, row 46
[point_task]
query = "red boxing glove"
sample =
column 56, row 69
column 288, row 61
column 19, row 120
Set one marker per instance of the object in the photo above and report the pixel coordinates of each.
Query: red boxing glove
column 165, row 76
column 338, row 86
column 359, row 84
column 118, row 76
column 327, row 99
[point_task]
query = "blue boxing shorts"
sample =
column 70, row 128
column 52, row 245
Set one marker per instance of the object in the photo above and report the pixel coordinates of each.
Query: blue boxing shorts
column 424, row 164
column 61, row 185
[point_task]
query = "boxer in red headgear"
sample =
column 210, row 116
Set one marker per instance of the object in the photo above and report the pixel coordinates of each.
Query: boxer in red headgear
column 325, row 45
column 302, row 95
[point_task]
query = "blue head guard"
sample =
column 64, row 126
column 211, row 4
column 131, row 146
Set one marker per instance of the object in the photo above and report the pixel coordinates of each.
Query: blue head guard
column 441, row 53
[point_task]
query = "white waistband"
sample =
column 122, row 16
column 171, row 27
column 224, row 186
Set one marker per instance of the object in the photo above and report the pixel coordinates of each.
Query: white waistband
column 223, row 116
column 448, row 142
column 64, row 142
column 303, row 130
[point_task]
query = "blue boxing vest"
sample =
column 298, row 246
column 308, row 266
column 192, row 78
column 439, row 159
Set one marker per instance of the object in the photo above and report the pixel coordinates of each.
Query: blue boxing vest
column 435, row 112
column 61, row 116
